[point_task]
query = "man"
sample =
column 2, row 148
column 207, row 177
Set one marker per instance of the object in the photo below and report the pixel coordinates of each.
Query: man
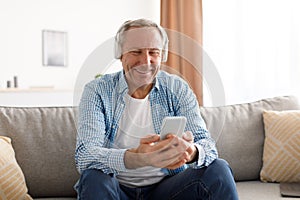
column 119, row 152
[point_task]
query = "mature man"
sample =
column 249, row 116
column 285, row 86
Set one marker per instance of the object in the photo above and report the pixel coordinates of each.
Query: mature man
column 119, row 152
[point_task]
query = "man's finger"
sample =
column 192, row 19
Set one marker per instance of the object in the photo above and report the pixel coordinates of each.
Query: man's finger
column 149, row 139
column 188, row 136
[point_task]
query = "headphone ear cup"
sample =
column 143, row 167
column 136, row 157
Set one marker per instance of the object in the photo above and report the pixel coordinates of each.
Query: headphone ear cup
column 165, row 52
column 117, row 49
column 164, row 56
column 165, row 45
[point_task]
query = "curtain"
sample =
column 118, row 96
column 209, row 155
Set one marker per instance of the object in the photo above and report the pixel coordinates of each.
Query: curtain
column 183, row 23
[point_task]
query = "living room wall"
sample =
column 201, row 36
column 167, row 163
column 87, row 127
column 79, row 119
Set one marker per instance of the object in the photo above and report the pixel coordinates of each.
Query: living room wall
column 255, row 46
column 87, row 23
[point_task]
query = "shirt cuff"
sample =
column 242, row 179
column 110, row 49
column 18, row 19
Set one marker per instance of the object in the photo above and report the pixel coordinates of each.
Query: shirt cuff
column 201, row 156
column 116, row 160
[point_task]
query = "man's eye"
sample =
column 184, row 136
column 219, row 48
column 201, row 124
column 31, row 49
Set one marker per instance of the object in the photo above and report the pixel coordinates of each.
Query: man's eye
column 154, row 53
column 137, row 52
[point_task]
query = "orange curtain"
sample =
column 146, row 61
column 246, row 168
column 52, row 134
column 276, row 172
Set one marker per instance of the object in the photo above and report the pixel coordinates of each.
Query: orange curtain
column 182, row 20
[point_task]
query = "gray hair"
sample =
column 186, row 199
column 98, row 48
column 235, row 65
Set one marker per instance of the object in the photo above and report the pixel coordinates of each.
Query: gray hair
column 119, row 38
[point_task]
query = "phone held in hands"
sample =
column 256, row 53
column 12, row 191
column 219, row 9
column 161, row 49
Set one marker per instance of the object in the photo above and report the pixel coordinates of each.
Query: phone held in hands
column 174, row 125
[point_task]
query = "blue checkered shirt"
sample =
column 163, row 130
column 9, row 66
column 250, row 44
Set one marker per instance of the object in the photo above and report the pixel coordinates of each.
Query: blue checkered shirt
column 101, row 108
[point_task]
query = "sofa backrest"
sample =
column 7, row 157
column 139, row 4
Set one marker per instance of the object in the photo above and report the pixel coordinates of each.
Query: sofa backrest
column 44, row 142
column 239, row 132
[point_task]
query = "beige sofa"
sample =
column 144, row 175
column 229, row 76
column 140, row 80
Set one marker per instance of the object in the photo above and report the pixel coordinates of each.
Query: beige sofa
column 44, row 142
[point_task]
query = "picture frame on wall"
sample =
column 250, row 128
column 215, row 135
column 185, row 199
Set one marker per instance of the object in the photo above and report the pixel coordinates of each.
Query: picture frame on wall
column 54, row 48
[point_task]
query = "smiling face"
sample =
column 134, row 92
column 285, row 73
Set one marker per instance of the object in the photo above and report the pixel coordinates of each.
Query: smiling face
column 141, row 57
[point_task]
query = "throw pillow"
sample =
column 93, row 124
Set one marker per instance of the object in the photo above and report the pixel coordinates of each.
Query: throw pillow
column 281, row 156
column 12, row 180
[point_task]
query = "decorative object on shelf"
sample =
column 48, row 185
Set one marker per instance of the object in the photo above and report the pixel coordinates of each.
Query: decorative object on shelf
column 54, row 48
column 15, row 81
column 8, row 84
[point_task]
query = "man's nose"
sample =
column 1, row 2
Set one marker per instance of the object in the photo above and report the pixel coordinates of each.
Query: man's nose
column 145, row 58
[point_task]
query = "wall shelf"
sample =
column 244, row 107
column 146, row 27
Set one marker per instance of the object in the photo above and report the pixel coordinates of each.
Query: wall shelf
column 29, row 90
column 33, row 97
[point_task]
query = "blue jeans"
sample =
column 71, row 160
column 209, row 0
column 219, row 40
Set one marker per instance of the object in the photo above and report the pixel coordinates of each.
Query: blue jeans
column 212, row 182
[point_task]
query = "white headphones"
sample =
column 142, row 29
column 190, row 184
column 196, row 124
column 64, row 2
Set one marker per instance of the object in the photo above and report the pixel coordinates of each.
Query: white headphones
column 141, row 23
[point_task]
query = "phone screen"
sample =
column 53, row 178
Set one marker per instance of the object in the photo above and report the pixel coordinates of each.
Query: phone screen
column 174, row 125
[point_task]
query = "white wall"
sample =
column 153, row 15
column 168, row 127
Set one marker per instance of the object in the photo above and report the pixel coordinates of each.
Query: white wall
column 87, row 22
column 255, row 46
column 255, row 49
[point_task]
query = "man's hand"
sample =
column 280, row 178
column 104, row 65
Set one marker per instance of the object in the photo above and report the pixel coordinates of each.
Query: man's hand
column 171, row 152
column 191, row 152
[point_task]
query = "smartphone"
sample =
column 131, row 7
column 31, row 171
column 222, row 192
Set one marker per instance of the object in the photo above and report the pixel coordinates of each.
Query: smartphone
column 174, row 125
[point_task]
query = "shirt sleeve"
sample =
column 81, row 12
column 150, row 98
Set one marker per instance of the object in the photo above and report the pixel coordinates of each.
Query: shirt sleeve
column 92, row 139
column 187, row 105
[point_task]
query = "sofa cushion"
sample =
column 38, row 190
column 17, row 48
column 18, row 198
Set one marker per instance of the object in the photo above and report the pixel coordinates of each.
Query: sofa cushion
column 281, row 156
column 12, row 181
column 239, row 132
column 44, row 141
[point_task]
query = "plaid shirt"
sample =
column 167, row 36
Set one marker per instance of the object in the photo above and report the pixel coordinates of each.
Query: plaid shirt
column 101, row 108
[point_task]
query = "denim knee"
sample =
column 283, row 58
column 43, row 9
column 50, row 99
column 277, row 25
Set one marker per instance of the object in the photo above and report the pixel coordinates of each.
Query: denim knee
column 220, row 166
column 97, row 177
column 94, row 184
column 220, row 180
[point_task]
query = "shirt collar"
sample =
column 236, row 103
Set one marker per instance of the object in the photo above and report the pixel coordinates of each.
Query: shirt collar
column 123, row 87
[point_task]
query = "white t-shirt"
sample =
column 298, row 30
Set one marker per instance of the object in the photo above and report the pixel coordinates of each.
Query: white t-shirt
column 136, row 123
